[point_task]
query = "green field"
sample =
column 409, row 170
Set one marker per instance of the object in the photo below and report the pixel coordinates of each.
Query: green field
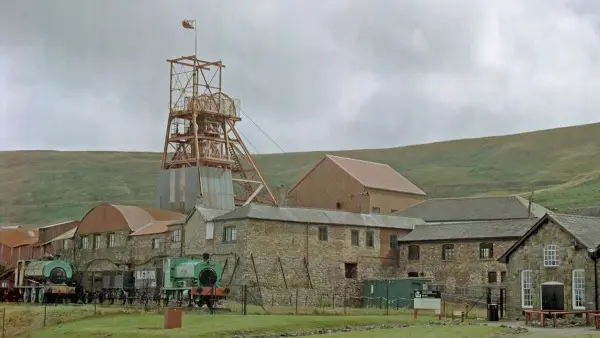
column 38, row 187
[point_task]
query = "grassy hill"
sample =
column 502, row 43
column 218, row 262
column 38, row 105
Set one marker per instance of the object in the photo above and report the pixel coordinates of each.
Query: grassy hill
column 38, row 187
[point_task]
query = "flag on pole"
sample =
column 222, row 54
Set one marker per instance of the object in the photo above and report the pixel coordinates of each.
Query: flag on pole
column 187, row 24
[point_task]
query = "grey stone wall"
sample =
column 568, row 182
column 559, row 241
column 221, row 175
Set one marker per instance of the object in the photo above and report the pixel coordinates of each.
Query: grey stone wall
column 529, row 256
column 466, row 270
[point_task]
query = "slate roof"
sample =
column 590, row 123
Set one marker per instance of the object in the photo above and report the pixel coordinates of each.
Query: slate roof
column 371, row 175
column 585, row 229
column 318, row 216
column 469, row 230
column 206, row 214
column 473, row 209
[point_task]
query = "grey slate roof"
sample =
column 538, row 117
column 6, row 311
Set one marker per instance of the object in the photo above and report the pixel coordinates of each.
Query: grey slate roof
column 206, row 214
column 318, row 216
column 585, row 229
column 469, row 230
column 473, row 209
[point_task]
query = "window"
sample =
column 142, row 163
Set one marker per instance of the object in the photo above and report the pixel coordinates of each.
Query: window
column 393, row 241
column 65, row 244
column 176, row 235
column 85, row 242
column 229, row 234
column 156, row 243
column 413, row 252
column 550, row 255
column 376, row 210
column 110, row 242
column 526, row 289
column 448, row 252
column 351, row 269
column 578, row 289
column 413, row 274
column 486, row 250
column 338, row 205
column 323, row 233
column 97, row 241
column 354, row 237
column 370, row 241
column 492, row 277
column 210, row 230
column 502, row 276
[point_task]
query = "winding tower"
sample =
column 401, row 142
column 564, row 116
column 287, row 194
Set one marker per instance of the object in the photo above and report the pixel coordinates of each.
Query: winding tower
column 204, row 160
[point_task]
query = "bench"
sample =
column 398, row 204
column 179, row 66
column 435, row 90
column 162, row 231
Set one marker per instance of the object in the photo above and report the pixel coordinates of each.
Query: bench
column 553, row 314
column 542, row 314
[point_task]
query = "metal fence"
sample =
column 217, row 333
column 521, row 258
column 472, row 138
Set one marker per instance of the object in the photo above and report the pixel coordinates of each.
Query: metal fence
column 17, row 319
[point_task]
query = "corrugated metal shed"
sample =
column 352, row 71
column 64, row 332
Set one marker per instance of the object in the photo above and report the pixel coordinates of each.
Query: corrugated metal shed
column 181, row 187
column 319, row 216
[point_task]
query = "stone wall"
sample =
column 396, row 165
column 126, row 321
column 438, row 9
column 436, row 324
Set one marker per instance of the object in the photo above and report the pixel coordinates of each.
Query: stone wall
column 278, row 257
column 529, row 256
column 465, row 270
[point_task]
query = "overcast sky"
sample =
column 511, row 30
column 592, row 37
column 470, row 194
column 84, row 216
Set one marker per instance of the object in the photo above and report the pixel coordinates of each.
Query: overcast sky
column 78, row 75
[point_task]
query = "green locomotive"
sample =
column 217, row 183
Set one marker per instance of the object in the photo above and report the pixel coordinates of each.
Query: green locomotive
column 44, row 280
column 193, row 281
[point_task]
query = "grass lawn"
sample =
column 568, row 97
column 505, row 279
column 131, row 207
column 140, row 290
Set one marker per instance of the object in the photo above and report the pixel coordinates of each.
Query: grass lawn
column 204, row 325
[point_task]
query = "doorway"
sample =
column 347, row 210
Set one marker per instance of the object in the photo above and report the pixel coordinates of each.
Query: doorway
column 553, row 296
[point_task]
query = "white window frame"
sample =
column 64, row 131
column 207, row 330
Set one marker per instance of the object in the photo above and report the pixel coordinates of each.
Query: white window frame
column 65, row 244
column 550, row 256
column 210, row 230
column 156, row 243
column 578, row 283
column 111, row 240
column 527, row 280
column 176, row 235
column 229, row 234
column 97, row 240
column 85, row 242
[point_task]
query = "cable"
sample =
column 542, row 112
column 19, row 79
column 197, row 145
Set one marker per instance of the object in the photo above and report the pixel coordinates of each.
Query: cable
column 283, row 151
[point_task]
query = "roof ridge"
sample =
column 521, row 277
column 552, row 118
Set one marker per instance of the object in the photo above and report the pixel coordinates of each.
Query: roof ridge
column 358, row 160
column 575, row 215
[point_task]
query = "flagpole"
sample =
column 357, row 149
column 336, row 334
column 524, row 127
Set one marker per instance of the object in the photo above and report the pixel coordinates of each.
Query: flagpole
column 195, row 42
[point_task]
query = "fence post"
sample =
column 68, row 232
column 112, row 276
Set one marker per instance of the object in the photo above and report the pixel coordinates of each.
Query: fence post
column 45, row 307
column 296, row 300
column 245, row 299
column 345, row 298
column 333, row 301
column 3, row 322
column 387, row 298
column 501, row 303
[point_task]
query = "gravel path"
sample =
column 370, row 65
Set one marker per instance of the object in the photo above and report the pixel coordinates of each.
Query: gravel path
column 548, row 331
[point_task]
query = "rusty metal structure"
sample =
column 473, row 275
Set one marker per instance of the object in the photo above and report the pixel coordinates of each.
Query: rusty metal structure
column 201, row 134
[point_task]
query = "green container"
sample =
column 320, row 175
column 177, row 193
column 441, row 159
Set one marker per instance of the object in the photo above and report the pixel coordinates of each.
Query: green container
column 398, row 292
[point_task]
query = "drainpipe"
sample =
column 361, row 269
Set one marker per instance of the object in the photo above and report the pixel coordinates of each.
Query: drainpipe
column 593, row 253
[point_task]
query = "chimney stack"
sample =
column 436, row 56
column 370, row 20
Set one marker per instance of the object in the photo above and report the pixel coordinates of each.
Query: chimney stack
column 282, row 199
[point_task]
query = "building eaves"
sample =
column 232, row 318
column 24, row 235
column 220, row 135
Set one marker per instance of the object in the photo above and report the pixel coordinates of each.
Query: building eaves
column 56, row 224
column 468, row 209
column 469, row 231
column 584, row 229
column 153, row 228
column 318, row 216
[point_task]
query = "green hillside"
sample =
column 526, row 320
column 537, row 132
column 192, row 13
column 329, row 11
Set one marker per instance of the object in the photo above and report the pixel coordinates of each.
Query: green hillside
column 38, row 187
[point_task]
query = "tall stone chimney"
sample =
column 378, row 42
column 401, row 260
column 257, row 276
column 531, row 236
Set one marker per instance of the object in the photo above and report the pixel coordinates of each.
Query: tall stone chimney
column 282, row 198
column 365, row 205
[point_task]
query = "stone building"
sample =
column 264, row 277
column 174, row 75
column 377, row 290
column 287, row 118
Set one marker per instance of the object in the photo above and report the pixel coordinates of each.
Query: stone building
column 553, row 266
column 339, row 183
column 47, row 233
column 275, row 249
column 462, row 254
column 114, row 237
